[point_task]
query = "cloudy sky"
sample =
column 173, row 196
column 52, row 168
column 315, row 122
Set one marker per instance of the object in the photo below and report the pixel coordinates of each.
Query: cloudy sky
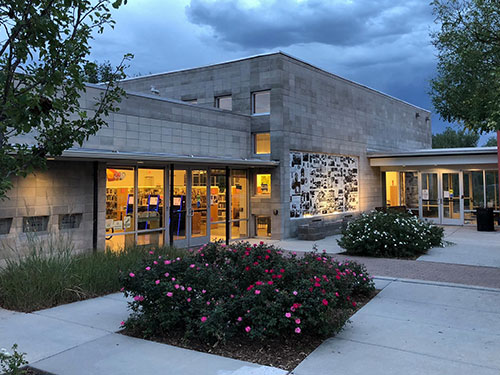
column 383, row 44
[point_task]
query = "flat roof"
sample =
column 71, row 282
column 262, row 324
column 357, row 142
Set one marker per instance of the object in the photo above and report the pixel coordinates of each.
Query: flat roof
column 271, row 54
column 433, row 152
column 96, row 154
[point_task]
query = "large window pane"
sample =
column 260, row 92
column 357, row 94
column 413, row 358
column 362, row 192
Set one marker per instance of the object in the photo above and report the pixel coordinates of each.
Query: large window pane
column 199, row 203
column 261, row 102
column 239, row 229
column 239, row 194
column 492, row 189
column 392, row 188
column 262, row 143
column 473, row 194
column 120, row 242
column 430, row 204
column 263, row 182
column 150, row 238
column 151, row 197
column 409, row 191
column 218, row 195
column 179, row 210
column 119, row 200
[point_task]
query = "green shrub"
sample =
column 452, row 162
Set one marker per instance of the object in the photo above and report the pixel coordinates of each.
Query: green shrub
column 51, row 274
column 12, row 363
column 390, row 234
column 218, row 292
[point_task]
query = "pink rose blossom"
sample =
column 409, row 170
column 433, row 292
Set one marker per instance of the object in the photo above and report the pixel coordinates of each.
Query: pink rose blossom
column 239, row 319
column 189, row 299
column 298, row 330
column 122, row 323
column 288, row 315
column 139, row 298
column 203, row 319
column 155, row 262
column 148, row 268
column 170, row 294
column 248, row 329
column 189, row 289
column 297, row 321
column 325, row 302
column 173, row 278
column 157, row 282
column 337, row 294
column 295, row 293
column 131, row 274
column 203, row 291
column 176, row 286
column 167, row 274
column 257, row 291
column 167, row 262
column 191, row 266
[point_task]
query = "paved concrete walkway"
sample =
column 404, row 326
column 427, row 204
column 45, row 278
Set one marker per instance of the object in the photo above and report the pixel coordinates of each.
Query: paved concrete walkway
column 468, row 247
column 80, row 339
column 416, row 328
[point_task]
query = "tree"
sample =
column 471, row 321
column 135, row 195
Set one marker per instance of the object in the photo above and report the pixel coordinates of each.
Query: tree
column 95, row 72
column 42, row 72
column 467, row 87
column 451, row 138
column 491, row 142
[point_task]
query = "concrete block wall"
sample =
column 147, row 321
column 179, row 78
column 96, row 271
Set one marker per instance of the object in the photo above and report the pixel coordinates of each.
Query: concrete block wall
column 158, row 125
column 322, row 112
column 66, row 187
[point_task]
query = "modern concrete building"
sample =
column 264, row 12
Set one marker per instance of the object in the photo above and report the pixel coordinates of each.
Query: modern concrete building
column 252, row 147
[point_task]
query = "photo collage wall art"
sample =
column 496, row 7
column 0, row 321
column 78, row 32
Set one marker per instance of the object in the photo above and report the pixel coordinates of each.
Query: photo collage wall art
column 322, row 184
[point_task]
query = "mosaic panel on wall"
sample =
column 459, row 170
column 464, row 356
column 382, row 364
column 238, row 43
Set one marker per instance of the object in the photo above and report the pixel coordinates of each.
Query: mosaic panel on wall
column 322, row 184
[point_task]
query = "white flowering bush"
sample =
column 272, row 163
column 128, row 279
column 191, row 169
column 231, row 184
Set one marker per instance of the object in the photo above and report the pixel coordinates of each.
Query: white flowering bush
column 390, row 235
column 12, row 363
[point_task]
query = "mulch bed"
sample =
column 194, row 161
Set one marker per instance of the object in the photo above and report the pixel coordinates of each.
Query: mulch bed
column 284, row 352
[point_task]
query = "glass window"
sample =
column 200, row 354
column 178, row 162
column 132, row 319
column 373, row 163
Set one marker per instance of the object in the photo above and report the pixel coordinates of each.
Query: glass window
column 5, row 225
column 224, row 102
column 492, row 189
column 118, row 243
column 70, row 221
column 239, row 229
column 218, row 196
column 392, row 188
column 150, row 199
column 263, row 184
column 473, row 194
column 263, row 226
column 119, row 200
column 261, row 102
column 179, row 204
column 150, row 238
column 35, row 224
column 239, row 195
column 199, row 203
column 409, row 191
column 262, row 143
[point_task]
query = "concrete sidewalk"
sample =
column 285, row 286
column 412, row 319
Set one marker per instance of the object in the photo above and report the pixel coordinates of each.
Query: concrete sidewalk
column 80, row 339
column 468, row 247
column 416, row 328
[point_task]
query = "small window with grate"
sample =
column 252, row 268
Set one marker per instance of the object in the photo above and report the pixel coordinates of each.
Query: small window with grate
column 5, row 225
column 35, row 223
column 70, row 221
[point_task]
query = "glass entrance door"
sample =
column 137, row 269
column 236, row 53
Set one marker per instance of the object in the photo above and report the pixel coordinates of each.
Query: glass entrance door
column 189, row 207
column 441, row 197
column 452, row 202
column 430, row 197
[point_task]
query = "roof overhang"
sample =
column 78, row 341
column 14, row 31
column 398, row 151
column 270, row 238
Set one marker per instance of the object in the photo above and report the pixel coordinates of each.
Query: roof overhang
column 119, row 156
column 435, row 157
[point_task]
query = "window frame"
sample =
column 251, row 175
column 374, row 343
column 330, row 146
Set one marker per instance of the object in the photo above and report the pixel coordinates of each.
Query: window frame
column 253, row 96
column 255, row 144
column 218, row 98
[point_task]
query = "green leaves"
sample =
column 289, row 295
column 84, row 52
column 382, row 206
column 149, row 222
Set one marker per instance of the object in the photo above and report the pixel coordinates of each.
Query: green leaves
column 43, row 63
column 467, row 86
column 451, row 138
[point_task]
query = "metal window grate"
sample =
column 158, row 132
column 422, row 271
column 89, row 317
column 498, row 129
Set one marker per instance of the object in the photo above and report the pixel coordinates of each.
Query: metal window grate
column 5, row 225
column 35, row 223
column 70, row 221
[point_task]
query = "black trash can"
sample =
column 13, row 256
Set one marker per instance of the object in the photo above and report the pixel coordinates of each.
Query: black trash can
column 485, row 219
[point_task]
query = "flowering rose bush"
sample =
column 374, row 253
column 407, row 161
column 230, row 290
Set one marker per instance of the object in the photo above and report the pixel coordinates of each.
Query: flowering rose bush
column 390, row 234
column 217, row 292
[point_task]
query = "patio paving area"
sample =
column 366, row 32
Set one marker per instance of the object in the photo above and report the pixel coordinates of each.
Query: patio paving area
column 416, row 328
column 469, row 247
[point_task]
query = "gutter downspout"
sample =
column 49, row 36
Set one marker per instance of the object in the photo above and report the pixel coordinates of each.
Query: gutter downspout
column 95, row 206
